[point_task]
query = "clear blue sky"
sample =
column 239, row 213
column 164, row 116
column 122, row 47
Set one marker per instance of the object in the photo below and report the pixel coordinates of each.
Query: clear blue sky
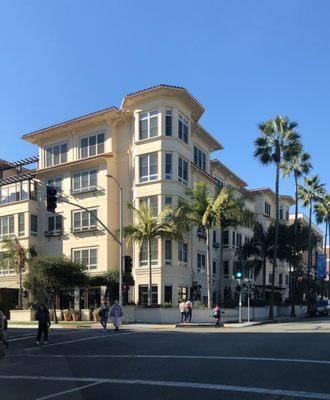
column 244, row 60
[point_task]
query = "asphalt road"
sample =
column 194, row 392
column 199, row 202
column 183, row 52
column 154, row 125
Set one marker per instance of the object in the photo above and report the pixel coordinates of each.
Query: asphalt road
column 280, row 361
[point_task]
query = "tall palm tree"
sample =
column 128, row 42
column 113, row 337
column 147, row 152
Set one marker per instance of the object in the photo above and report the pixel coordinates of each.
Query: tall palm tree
column 16, row 255
column 311, row 192
column 298, row 163
column 147, row 228
column 322, row 214
column 208, row 212
column 277, row 139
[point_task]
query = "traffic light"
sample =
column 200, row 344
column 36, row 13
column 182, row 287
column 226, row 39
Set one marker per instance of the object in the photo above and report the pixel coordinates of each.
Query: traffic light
column 238, row 275
column 128, row 265
column 51, row 199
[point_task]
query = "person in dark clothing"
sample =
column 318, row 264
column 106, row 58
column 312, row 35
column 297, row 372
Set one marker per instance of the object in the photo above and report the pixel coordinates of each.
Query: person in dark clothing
column 104, row 314
column 3, row 329
column 42, row 316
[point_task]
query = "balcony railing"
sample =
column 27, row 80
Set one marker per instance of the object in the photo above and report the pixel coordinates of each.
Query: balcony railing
column 87, row 189
column 82, row 229
column 55, row 232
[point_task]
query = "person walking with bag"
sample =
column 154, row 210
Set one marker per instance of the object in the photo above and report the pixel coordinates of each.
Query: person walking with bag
column 42, row 316
column 216, row 314
column 3, row 329
column 116, row 313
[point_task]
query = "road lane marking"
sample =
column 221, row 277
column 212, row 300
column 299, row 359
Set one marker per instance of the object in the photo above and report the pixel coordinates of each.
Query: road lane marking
column 51, row 396
column 19, row 338
column 178, row 384
column 268, row 359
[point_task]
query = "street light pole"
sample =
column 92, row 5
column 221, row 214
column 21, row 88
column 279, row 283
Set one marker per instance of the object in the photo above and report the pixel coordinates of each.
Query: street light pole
column 120, row 238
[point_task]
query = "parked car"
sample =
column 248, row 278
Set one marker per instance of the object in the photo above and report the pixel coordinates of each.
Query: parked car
column 320, row 307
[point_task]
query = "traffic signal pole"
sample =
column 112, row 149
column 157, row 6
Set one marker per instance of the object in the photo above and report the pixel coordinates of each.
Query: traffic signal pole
column 240, row 302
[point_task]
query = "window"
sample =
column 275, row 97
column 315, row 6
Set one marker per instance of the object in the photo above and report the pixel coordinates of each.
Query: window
column 267, row 209
column 182, row 252
column 214, row 236
column 21, row 224
column 182, row 293
column 16, row 192
column 239, row 240
column 148, row 125
column 5, row 267
column 34, row 225
column 199, row 158
column 280, row 279
column 148, row 167
column 214, row 264
column 144, row 253
column 84, row 221
column 55, row 223
column 287, row 215
column 236, row 267
column 6, row 226
column 168, row 252
column 151, row 202
column 168, row 294
column 92, row 145
column 201, row 261
column 226, row 269
column 84, row 181
column 87, row 257
column 219, row 183
column 168, row 166
column 168, row 201
column 281, row 213
column 286, row 280
column 143, row 295
column 270, row 277
column 55, row 183
column 225, row 238
column 57, row 154
column 183, row 128
column 246, row 240
column 233, row 236
column 168, row 123
column 183, row 171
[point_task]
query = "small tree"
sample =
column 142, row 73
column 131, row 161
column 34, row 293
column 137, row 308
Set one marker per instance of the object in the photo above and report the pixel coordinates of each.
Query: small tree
column 17, row 256
column 49, row 274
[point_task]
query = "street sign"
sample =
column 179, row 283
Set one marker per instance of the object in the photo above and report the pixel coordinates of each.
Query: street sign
column 321, row 266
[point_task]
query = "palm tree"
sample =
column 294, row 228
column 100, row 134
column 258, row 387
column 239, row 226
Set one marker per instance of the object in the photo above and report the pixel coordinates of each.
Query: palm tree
column 322, row 214
column 16, row 255
column 310, row 193
column 147, row 228
column 277, row 139
column 298, row 163
column 208, row 212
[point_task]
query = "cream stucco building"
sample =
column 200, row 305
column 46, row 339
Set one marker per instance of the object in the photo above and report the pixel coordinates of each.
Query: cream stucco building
column 156, row 148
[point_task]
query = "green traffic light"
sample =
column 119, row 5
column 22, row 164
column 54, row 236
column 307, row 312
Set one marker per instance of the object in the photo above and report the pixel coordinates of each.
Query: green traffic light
column 238, row 275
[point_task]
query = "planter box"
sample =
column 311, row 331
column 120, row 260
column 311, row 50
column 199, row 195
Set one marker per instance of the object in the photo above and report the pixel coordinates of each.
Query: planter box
column 85, row 314
column 22, row 315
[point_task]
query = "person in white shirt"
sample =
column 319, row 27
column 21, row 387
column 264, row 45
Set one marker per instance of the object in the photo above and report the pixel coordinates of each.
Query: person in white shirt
column 189, row 307
column 182, row 308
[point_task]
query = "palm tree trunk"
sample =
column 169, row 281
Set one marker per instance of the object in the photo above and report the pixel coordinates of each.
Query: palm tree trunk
column 277, row 186
column 295, row 266
column 20, row 291
column 150, row 277
column 325, row 253
column 208, row 269
column 264, row 266
column 309, row 266
column 221, row 286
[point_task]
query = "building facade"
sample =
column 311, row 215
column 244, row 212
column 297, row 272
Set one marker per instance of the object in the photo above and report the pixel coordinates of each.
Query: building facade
column 156, row 148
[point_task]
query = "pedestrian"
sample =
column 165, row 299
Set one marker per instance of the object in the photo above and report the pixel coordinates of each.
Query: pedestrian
column 116, row 314
column 3, row 329
column 188, row 307
column 104, row 314
column 182, row 308
column 216, row 314
column 42, row 316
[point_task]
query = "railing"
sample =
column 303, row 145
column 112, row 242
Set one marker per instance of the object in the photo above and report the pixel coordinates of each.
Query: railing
column 87, row 189
column 81, row 229
column 55, row 232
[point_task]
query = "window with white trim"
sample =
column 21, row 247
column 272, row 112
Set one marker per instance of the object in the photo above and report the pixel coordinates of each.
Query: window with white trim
column 183, row 171
column 148, row 124
column 6, row 226
column 168, row 123
column 84, row 181
column 56, row 154
column 55, row 223
column 226, row 269
column 92, row 145
column 6, row 267
column 267, row 209
column 151, row 202
column 144, row 253
column 148, row 167
column 55, row 183
column 201, row 261
column 168, row 201
column 87, row 257
column 168, row 252
column 182, row 293
column 168, row 166
column 199, row 158
column 182, row 252
column 183, row 128
column 84, row 221
column 21, row 224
